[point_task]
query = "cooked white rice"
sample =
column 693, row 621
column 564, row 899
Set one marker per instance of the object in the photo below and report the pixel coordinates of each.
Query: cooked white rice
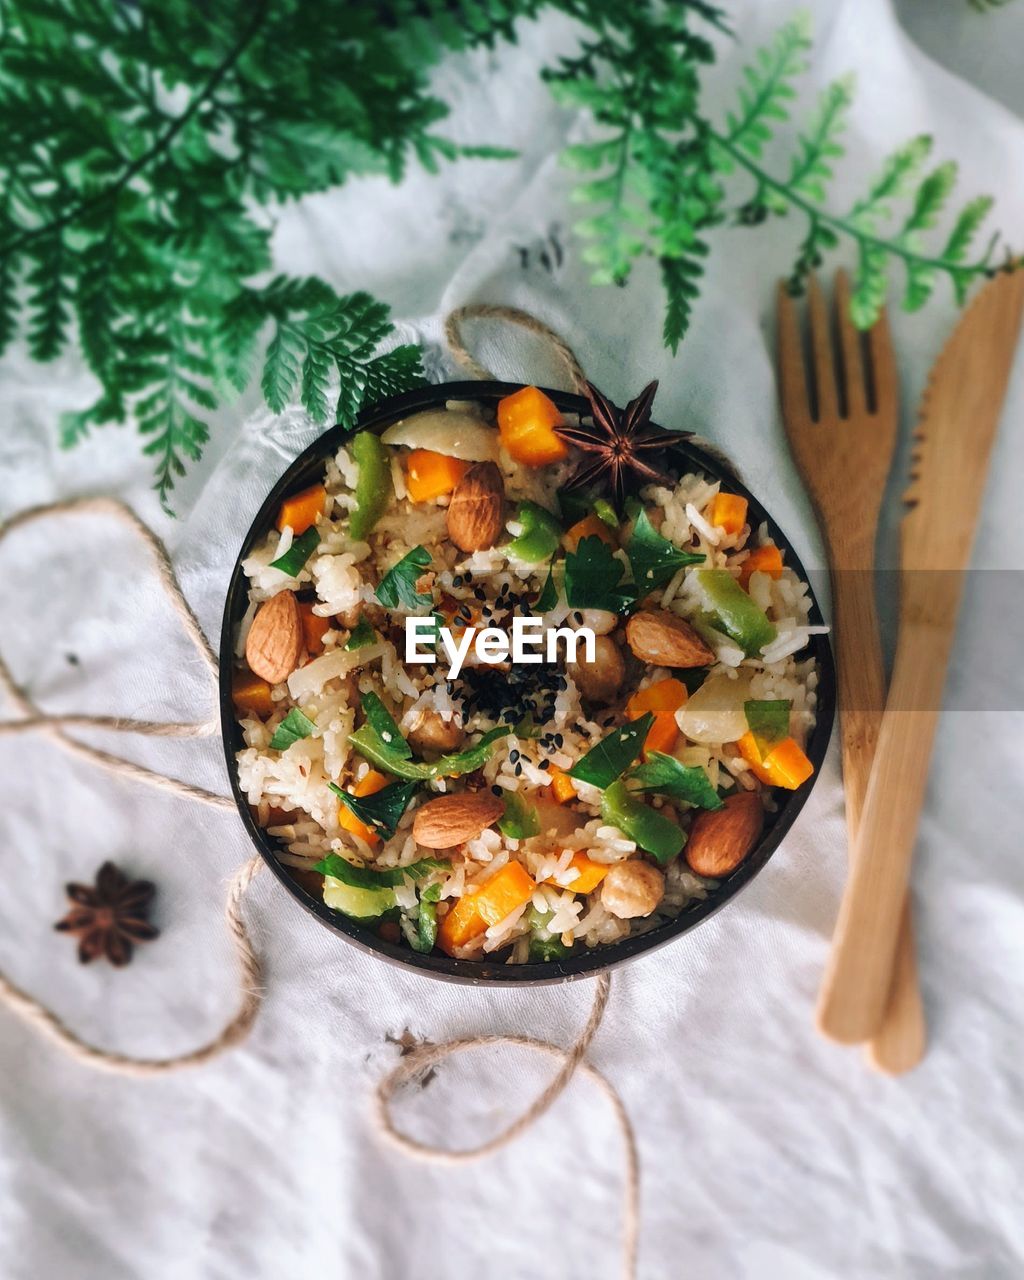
column 289, row 790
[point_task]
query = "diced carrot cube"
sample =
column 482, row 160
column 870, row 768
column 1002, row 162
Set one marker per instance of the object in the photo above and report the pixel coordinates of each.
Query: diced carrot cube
column 591, row 874
column 729, row 512
column 510, row 887
column 250, row 693
column 784, row 766
column 562, row 789
column 507, row 889
column 664, row 698
column 662, row 735
column 369, row 784
column 766, row 559
column 314, row 628
column 301, row 510
column 589, row 527
column 664, row 695
column 526, row 422
column 431, row 475
column 462, row 923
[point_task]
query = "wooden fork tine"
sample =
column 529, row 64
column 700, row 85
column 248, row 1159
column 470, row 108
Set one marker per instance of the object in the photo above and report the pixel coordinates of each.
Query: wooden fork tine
column 792, row 379
column 883, row 365
column 821, row 347
column 853, row 366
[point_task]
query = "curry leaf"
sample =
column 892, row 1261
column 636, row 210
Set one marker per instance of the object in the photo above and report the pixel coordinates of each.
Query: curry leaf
column 294, row 559
column 613, row 754
column 294, row 726
column 380, row 720
column 367, row 878
column 383, row 810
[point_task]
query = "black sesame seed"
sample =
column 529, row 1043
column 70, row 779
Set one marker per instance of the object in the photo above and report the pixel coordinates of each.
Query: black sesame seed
column 457, row 580
column 545, row 764
column 496, row 790
column 518, row 770
column 479, row 593
column 513, row 755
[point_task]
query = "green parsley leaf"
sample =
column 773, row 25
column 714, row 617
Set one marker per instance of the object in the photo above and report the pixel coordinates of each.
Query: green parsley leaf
column 362, row 635
column 548, row 597
column 380, row 720
column 398, row 586
column 592, row 576
column 665, row 775
column 367, row 878
column 520, row 819
column 383, row 810
column 294, row 559
column 653, row 559
column 294, row 726
column 768, row 721
column 613, row 754
column 372, row 747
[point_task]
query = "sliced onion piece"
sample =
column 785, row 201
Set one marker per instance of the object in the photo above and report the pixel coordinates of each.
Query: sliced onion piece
column 714, row 713
column 454, row 433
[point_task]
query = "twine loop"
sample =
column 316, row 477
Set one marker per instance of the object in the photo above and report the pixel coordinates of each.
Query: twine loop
column 30, row 718
column 512, row 315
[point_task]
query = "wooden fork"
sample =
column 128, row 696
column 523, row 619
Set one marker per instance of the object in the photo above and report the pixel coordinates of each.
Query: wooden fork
column 841, row 420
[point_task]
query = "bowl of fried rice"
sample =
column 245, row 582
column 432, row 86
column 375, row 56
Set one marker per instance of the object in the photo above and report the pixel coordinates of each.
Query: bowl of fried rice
column 489, row 811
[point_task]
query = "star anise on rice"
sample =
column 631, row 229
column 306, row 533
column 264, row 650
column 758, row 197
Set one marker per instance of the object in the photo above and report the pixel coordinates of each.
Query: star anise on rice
column 109, row 917
column 624, row 443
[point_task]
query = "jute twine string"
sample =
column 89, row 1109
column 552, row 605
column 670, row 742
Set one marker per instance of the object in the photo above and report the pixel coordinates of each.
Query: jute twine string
column 512, row 315
column 32, row 719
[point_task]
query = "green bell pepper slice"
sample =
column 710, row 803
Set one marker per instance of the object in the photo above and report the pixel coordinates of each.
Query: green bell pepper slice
column 734, row 612
column 540, row 536
column 373, row 484
column 648, row 829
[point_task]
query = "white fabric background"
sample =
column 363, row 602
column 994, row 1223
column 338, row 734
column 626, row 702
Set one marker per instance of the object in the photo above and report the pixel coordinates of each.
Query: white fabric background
column 766, row 1152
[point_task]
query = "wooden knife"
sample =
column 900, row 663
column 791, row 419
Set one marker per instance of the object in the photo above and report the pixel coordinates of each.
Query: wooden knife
column 956, row 429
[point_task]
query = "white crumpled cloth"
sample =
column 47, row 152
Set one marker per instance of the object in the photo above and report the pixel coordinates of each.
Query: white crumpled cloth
column 765, row 1151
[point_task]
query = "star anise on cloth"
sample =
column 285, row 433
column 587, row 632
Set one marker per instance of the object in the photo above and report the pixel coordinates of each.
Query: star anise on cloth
column 110, row 916
column 624, row 444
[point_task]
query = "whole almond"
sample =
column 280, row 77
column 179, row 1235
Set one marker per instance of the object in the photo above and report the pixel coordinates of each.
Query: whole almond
column 476, row 513
column 721, row 838
column 275, row 641
column 446, row 821
column 666, row 640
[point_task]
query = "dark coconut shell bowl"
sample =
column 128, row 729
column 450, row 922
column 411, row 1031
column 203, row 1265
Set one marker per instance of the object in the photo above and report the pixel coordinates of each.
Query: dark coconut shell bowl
column 307, row 469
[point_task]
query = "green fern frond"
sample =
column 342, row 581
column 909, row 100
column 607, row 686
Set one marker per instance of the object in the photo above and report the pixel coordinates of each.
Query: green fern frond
column 680, row 278
column 281, row 367
column 805, row 191
column 139, row 145
column 819, row 146
column 397, row 370
column 768, row 87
